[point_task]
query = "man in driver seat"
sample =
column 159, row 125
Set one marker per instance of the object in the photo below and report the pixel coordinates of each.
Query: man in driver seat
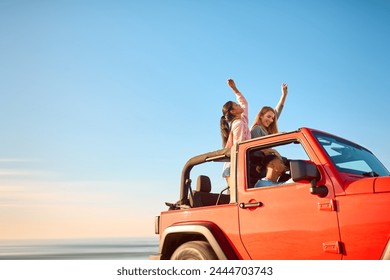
column 275, row 167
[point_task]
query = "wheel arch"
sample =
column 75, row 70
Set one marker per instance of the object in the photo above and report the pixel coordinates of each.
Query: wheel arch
column 178, row 234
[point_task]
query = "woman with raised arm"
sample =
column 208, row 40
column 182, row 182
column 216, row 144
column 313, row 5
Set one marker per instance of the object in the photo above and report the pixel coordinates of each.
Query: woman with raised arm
column 234, row 123
column 266, row 120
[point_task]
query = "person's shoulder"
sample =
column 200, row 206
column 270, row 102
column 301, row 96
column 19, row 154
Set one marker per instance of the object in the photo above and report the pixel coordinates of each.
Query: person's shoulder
column 237, row 122
column 263, row 183
column 257, row 131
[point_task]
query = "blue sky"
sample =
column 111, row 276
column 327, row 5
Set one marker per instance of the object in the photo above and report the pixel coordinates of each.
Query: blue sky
column 102, row 102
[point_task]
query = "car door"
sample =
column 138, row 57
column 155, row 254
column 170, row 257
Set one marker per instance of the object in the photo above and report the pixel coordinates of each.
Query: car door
column 286, row 221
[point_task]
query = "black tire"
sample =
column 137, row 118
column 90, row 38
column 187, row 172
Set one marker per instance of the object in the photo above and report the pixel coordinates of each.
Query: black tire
column 194, row 250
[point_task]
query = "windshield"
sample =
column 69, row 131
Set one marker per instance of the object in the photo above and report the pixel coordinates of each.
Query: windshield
column 351, row 158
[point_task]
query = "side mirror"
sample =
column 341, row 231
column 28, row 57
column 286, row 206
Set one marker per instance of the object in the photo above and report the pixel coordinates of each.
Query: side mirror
column 302, row 170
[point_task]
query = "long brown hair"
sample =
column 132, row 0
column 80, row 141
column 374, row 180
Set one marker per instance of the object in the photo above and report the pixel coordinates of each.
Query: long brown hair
column 273, row 127
column 226, row 119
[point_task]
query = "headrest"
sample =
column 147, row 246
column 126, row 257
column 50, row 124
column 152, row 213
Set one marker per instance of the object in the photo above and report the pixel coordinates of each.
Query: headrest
column 203, row 184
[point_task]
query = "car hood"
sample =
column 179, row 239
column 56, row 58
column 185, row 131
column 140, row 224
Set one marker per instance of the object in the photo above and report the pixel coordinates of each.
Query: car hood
column 368, row 185
column 382, row 184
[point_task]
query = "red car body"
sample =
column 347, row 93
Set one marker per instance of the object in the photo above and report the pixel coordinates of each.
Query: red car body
column 336, row 205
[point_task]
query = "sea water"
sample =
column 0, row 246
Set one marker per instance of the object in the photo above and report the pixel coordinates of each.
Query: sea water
column 79, row 249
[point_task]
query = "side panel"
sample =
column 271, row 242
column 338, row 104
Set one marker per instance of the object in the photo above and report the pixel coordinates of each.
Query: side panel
column 225, row 217
column 364, row 225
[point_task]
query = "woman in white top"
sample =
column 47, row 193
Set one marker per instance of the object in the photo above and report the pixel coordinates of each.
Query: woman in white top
column 234, row 123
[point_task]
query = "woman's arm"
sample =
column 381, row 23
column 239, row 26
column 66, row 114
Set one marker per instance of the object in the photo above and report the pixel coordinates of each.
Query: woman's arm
column 241, row 100
column 280, row 105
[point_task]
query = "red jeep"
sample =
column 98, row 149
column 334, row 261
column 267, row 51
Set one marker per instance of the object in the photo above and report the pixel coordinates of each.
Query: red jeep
column 333, row 202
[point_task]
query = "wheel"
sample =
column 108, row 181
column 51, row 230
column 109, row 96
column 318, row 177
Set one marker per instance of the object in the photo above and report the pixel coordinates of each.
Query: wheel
column 194, row 250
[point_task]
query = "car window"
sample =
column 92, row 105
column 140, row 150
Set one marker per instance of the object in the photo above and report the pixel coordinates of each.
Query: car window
column 256, row 169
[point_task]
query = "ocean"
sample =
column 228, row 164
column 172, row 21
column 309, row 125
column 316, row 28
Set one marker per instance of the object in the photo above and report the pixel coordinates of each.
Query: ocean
column 79, row 249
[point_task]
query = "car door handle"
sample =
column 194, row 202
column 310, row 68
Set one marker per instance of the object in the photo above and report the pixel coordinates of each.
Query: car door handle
column 250, row 205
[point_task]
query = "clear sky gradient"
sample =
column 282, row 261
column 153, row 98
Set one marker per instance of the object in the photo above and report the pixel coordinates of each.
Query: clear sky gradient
column 103, row 102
